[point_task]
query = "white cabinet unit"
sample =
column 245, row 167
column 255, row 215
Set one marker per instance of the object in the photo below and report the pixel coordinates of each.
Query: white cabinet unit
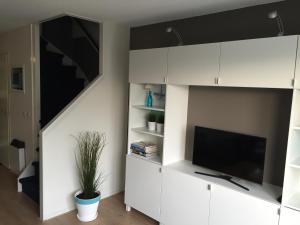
column 289, row 217
column 143, row 186
column 185, row 199
column 297, row 72
column 194, row 64
column 148, row 66
column 235, row 208
column 267, row 62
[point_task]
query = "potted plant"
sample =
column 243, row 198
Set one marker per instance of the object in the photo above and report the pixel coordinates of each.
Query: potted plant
column 90, row 148
column 151, row 121
column 160, row 123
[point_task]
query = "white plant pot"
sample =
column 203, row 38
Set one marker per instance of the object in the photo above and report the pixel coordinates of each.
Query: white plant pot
column 160, row 128
column 87, row 208
column 152, row 126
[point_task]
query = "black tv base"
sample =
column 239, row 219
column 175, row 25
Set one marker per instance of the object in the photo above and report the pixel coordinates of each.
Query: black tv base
column 224, row 177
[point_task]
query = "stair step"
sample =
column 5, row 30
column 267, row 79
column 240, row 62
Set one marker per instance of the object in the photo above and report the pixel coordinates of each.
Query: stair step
column 30, row 186
column 48, row 59
column 36, row 166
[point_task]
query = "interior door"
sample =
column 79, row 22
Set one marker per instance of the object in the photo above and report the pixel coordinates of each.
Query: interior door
column 4, row 117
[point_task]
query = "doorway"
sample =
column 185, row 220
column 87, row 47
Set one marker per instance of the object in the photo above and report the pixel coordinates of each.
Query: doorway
column 4, row 110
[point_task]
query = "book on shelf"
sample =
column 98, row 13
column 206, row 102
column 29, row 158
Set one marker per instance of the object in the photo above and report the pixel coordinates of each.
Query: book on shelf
column 144, row 147
column 146, row 155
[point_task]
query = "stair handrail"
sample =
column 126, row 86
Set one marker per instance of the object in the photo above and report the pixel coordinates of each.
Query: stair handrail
column 86, row 34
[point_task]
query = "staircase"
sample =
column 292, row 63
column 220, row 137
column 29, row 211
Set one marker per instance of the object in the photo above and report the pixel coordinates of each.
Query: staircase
column 77, row 41
column 59, row 84
column 31, row 184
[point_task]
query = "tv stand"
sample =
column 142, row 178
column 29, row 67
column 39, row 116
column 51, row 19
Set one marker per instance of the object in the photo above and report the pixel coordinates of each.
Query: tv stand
column 224, row 177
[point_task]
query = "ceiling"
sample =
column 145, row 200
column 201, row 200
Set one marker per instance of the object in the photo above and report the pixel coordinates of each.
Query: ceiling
column 16, row 13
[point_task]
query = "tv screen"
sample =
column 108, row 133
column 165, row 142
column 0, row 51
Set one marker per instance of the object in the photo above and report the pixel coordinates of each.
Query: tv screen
column 231, row 153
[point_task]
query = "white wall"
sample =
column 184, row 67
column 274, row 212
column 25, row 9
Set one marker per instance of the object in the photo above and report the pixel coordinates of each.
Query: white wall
column 18, row 45
column 103, row 107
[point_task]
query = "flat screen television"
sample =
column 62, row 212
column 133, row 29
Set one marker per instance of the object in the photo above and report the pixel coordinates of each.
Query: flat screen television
column 231, row 153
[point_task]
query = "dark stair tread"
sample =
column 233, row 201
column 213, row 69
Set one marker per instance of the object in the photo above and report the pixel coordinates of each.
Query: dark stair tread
column 30, row 187
column 29, row 180
column 53, row 54
column 36, row 163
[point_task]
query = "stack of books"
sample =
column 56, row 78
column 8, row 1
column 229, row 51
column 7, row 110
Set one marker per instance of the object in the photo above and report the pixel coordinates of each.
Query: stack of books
column 145, row 149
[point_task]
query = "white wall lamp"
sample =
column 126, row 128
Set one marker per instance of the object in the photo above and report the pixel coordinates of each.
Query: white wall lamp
column 274, row 15
column 174, row 31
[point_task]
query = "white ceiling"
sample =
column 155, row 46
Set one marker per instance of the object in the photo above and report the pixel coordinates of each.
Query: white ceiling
column 15, row 13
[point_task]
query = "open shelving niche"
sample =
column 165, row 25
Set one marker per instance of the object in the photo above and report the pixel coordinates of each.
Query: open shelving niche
column 291, row 187
column 170, row 143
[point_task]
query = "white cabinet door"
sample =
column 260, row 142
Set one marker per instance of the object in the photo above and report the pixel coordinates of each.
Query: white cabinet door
column 289, row 217
column 267, row 62
column 143, row 186
column 148, row 66
column 297, row 72
column 194, row 64
column 185, row 200
column 234, row 208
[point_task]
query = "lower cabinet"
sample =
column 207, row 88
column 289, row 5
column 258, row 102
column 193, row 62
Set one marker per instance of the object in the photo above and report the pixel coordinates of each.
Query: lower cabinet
column 176, row 197
column 235, row 208
column 289, row 217
column 185, row 200
column 143, row 186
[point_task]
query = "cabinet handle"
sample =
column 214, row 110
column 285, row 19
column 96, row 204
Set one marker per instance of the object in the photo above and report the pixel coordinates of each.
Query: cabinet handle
column 217, row 80
column 160, row 170
column 293, row 82
column 209, row 187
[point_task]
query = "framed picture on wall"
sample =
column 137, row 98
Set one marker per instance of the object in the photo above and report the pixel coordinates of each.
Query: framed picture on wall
column 17, row 78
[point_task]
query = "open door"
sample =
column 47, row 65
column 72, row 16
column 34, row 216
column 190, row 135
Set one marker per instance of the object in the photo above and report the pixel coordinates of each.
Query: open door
column 4, row 116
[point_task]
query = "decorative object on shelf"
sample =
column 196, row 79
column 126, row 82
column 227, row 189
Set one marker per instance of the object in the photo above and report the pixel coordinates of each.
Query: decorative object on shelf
column 161, row 94
column 149, row 99
column 17, row 78
column 151, row 121
column 160, row 123
column 174, row 31
column 145, row 149
column 275, row 15
column 90, row 148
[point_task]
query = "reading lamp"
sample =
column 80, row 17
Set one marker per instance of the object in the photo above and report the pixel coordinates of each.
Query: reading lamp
column 174, row 31
column 274, row 15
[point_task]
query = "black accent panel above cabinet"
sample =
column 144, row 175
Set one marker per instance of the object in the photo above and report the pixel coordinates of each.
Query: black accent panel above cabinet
column 240, row 24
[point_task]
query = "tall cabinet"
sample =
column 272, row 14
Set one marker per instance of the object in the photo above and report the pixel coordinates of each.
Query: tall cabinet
column 144, row 175
column 290, row 214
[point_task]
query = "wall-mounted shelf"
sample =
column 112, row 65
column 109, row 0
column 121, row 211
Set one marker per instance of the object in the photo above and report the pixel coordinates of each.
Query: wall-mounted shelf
column 144, row 130
column 294, row 202
column 155, row 108
column 156, row 159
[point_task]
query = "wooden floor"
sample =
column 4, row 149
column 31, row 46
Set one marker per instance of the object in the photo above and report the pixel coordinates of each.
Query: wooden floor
column 17, row 209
